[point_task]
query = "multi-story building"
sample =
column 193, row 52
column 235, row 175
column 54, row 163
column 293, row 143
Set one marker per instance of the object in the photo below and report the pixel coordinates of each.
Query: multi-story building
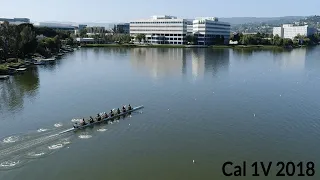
column 209, row 30
column 82, row 26
column 123, row 28
column 290, row 31
column 190, row 27
column 161, row 29
column 95, row 30
column 16, row 21
column 58, row 26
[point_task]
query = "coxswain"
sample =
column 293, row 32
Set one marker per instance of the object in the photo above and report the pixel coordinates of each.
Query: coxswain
column 98, row 117
column 124, row 109
column 118, row 111
column 111, row 113
column 129, row 107
column 91, row 119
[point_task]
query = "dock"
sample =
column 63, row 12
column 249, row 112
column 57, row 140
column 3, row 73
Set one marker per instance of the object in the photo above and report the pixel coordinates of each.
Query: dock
column 21, row 69
column 2, row 77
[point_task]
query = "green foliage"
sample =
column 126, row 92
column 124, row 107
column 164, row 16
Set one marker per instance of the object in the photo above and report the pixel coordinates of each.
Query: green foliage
column 122, row 38
column 47, row 32
column 83, row 33
column 141, row 37
column 191, row 39
column 235, row 37
column 17, row 40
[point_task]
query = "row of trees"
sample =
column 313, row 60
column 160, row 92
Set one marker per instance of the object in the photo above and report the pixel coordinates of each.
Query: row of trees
column 269, row 39
column 18, row 41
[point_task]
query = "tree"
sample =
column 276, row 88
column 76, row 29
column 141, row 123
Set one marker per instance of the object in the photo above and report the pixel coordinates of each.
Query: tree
column 83, row 32
column 140, row 37
column 235, row 37
column 28, row 42
column 191, row 39
column 287, row 42
column 48, row 32
column 6, row 35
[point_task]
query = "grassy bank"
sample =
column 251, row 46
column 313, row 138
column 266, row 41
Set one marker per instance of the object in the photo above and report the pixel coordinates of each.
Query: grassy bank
column 271, row 47
column 4, row 67
column 135, row 45
column 109, row 45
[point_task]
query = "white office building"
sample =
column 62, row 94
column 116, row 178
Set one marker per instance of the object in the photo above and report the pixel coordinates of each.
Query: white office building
column 171, row 30
column 290, row 31
column 15, row 21
column 161, row 29
column 190, row 27
column 208, row 29
column 59, row 26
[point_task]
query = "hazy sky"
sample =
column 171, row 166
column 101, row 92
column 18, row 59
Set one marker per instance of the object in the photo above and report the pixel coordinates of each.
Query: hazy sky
column 126, row 10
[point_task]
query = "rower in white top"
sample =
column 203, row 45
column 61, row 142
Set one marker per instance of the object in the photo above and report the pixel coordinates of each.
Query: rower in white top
column 124, row 109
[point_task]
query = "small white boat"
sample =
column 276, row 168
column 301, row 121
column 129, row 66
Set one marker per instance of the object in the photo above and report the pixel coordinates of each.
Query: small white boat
column 21, row 69
column 4, row 77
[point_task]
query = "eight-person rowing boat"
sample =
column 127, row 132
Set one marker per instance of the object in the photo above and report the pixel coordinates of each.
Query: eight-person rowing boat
column 106, row 117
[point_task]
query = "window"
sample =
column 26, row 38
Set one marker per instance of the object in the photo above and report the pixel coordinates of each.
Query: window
column 175, row 38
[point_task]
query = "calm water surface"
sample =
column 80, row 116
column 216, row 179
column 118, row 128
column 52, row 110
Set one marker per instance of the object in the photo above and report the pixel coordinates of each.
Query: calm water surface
column 210, row 106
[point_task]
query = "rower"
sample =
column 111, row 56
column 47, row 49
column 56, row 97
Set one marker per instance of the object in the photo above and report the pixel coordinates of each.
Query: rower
column 111, row 113
column 98, row 117
column 106, row 115
column 91, row 119
column 75, row 125
column 118, row 111
column 83, row 122
column 129, row 107
column 124, row 109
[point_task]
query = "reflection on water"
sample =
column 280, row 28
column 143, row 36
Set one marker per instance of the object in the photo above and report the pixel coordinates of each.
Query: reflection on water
column 294, row 60
column 209, row 60
column 286, row 59
column 14, row 91
column 245, row 108
column 161, row 62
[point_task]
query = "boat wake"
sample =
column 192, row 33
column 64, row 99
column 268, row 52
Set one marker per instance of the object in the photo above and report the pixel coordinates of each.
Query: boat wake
column 17, row 150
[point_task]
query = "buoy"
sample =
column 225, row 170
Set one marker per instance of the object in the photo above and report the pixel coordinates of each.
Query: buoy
column 193, row 161
column 254, row 115
column 280, row 95
column 129, row 124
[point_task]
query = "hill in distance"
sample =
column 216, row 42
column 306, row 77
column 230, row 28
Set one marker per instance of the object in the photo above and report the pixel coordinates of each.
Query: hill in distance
column 245, row 20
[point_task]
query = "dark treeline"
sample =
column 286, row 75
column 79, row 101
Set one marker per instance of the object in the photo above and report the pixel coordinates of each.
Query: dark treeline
column 19, row 41
column 269, row 39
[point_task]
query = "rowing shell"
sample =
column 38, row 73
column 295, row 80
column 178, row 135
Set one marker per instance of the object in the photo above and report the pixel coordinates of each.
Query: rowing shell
column 109, row 118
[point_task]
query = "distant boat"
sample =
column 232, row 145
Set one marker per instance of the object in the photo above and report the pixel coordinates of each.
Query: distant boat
column 38, row 63
column 21, row 69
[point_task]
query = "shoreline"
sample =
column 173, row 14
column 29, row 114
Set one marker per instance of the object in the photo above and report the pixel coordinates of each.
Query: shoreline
column 192, row 46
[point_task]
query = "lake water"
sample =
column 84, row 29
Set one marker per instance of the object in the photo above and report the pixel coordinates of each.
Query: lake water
column 210, row 106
